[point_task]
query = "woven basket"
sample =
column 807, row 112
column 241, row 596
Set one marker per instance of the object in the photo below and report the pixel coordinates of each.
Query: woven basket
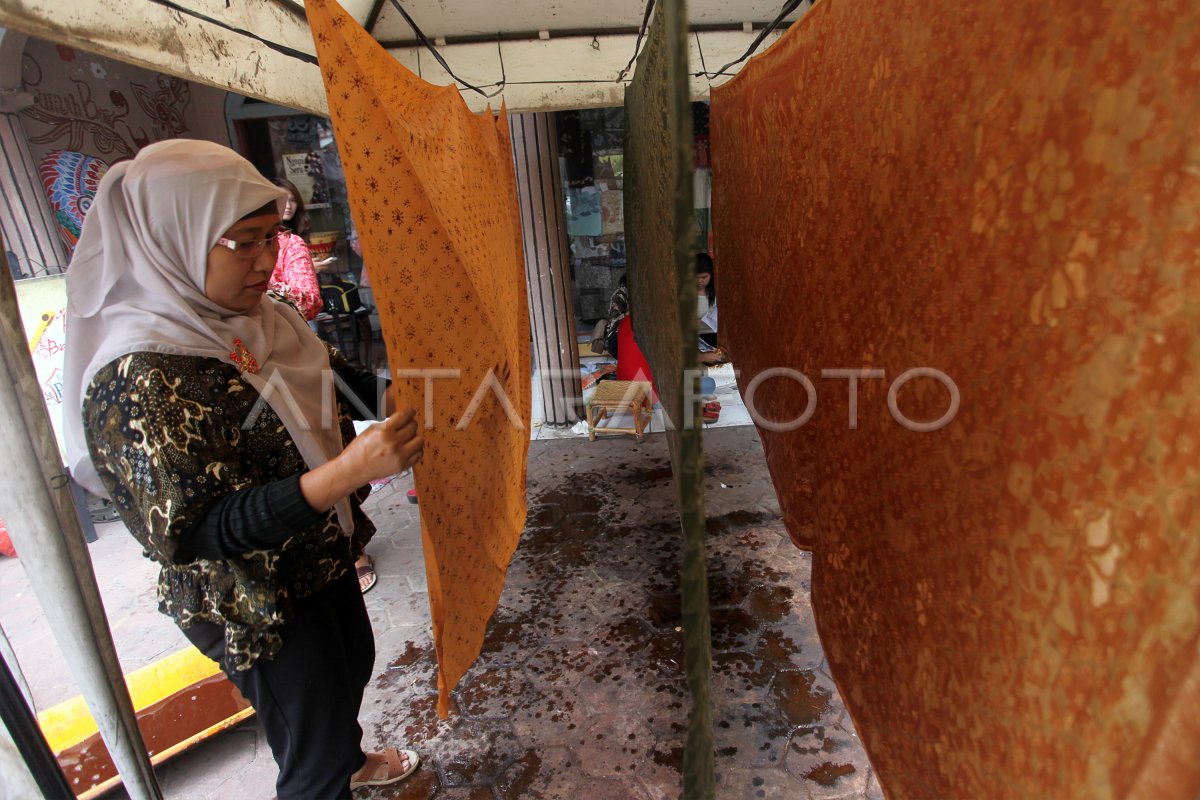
column 320, row 244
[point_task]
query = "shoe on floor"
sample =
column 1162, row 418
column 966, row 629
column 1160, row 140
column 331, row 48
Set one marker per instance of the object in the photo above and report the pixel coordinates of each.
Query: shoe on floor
column 392, row 770
column 366, row 576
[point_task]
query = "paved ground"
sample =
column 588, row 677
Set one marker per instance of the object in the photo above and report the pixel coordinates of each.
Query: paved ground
column 579, row 694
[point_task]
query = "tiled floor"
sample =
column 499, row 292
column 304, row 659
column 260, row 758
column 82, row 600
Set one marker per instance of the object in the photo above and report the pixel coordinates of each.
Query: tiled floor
column 579, row 694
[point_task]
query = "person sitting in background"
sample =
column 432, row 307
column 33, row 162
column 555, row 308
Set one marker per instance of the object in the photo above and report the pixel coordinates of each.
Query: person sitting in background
column 618, row 309
column 706, row 311
column 706, row 285
column 295, row 275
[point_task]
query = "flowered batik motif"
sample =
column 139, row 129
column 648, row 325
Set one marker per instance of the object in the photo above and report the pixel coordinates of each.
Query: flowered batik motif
column 1010, row 194
column 433, row 194
column 165, row 435
column 71, row 179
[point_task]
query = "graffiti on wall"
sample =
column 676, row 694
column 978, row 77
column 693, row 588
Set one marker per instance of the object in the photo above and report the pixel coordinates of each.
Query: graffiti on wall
column 95, row 115
column 43, row 304
column 89, row 112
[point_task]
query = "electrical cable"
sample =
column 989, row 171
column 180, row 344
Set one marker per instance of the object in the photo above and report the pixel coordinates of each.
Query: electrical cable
column 293, row 7
column 438, row 56
column 703, row 67
column 788, row 8
column 637, row 46
column 299, row 55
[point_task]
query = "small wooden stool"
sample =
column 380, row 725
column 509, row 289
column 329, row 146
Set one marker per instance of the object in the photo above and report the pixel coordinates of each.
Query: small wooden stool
column 616, row 397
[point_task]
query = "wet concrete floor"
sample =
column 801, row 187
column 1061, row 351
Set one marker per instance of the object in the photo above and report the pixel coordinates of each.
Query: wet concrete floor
column 580, row 692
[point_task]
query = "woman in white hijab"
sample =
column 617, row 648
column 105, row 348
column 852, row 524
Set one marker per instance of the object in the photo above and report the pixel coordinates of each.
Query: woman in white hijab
column 207, row 414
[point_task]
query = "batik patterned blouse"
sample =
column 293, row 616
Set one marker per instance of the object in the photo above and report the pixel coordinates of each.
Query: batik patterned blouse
column 295, row 277
column 165, row 435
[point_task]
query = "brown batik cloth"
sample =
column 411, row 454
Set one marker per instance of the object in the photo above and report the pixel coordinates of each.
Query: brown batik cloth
column 1008, row 193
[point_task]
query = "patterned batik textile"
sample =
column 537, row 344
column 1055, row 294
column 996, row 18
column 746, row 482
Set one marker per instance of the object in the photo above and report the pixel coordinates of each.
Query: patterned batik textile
column 1006, row 569
column 660, row 227
column 433, row 195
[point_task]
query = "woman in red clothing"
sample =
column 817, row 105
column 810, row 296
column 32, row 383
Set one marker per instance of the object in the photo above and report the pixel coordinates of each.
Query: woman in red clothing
column 295, row 275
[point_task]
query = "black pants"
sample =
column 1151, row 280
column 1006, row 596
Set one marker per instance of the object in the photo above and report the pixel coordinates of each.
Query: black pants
column 307, row 697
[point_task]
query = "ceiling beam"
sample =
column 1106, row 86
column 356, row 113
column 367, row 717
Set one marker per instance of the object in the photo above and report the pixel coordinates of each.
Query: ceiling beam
column 263, row 49
column 177, row 41
column 373, row 17
column 565, row 73
column 568, row 33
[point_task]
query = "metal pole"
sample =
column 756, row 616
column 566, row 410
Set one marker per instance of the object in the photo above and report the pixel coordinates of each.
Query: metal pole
column 27, row 736
column 41, row 517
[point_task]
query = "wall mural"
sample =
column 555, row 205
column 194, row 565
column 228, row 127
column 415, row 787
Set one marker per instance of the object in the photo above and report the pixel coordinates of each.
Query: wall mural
column 90, row 112
column 71, row 180
column 79, row 116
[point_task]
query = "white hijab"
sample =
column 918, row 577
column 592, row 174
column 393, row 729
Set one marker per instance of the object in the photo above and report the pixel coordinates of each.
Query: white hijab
column 136, row 282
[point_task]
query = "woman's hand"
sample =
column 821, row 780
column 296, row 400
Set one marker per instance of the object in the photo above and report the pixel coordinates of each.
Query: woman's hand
column 383, row 449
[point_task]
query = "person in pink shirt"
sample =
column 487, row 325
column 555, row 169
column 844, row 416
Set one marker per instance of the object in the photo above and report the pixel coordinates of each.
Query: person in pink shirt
column 295, row 281
column 295, row 276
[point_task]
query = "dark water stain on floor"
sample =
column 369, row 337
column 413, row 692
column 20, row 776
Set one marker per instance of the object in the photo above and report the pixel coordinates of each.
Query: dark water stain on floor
column 799, row 698
column 738, row 519
column 827, row 773
column 589, row 628
column 522, row 776
column 576, row 494
column 651, row 475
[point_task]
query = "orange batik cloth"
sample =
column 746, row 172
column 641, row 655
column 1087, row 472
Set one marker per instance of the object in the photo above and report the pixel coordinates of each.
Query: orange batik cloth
column 1008, row 193
column 433, row 196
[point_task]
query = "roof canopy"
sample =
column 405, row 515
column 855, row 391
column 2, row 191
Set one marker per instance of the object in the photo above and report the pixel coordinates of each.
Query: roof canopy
column 552, row 55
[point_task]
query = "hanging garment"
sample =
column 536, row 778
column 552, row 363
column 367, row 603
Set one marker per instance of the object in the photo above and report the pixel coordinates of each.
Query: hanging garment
column 1009, row 194
column 660, row 224
column 433, row 195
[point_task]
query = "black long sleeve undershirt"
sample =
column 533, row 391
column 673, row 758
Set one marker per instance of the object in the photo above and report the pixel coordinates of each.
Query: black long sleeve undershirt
column 264, row 517
column 256, row 518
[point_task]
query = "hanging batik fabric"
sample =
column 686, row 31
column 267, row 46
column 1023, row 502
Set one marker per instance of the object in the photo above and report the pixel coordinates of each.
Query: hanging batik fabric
column 1004, row 197
column 433, row 195
column 660, row 228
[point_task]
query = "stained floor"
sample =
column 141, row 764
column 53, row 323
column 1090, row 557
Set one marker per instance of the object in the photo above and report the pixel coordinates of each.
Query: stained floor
column 580, row 691
column 579, row 694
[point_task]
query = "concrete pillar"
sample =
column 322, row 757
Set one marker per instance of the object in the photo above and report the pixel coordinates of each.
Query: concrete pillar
column 35, row 246
column 547, row 267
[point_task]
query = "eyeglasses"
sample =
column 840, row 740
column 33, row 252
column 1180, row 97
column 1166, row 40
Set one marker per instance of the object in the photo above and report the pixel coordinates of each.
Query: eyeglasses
column 252, row 248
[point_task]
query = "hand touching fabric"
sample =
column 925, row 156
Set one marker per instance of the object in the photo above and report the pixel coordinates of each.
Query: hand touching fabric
column 383, row 449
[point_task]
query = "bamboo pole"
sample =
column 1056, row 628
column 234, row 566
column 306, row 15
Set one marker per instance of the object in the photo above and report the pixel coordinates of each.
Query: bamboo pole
column 41, row 517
